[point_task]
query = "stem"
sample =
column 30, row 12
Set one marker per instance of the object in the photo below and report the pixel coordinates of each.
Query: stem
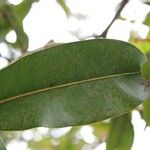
column 122, row 5
column 104, row 33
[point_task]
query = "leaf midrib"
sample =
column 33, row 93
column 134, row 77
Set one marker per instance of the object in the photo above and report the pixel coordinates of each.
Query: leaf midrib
column 64, row 85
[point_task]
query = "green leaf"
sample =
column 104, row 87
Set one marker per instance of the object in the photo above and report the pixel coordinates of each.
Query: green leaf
column 10, row 20
column 2, row 146
column 121, row 133
column 4, row 29
column 101, row 130
column 22, row 38
column 71, row 84
column 44, row 144
column 148, row 37
column 62, row 3
column 147, row 20
column 145, row 71
column 16, row 23
column 23, row 8
column 143, row 45
column 147, row 2
column 148, row 56
column 146, row 112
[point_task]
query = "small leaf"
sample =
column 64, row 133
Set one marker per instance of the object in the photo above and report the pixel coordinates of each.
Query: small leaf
column 10, row 20
column 22, row 38
column 21, row 10
column 147, row 20
column 146, row 112
column 2, row 146
column 143, row 45
column 121, row 133
column 71, row 84
column 62, row 3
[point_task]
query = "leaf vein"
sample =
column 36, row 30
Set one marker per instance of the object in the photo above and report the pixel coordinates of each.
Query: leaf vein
column 64, row 85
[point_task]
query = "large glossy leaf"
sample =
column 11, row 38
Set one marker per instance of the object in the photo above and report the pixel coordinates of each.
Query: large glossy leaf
column 71, row 84
column 121, row 133
column 2, row 146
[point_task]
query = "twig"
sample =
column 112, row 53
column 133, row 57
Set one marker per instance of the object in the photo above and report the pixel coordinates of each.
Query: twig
column 5, row 58
column 122, row 5
column 104, row 33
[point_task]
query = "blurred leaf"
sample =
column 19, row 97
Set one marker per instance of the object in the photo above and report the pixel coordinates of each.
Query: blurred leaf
column 146, row 112
column 148, row 56
column 148, row 3
column 147, row 20
column 71, row 84
column 23, row 8
column 62, row 3
column 145, row 71
column 121, row 133
column 43, row 144
column 101, row 130
column 68, row 141
column 4, row 26
column 16, row 24
column 10, row 21
column 4, row 29
column 2, row 146
column 22, row 38
column 148, row 35
column 143, row 45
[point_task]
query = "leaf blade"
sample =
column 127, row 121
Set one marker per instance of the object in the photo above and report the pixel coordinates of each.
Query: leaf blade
column 75, row 104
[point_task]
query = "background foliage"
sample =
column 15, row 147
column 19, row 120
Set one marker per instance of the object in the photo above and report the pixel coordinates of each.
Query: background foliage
column 117, row 132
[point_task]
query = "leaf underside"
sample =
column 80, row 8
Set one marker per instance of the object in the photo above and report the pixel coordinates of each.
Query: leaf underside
column 71, row 84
